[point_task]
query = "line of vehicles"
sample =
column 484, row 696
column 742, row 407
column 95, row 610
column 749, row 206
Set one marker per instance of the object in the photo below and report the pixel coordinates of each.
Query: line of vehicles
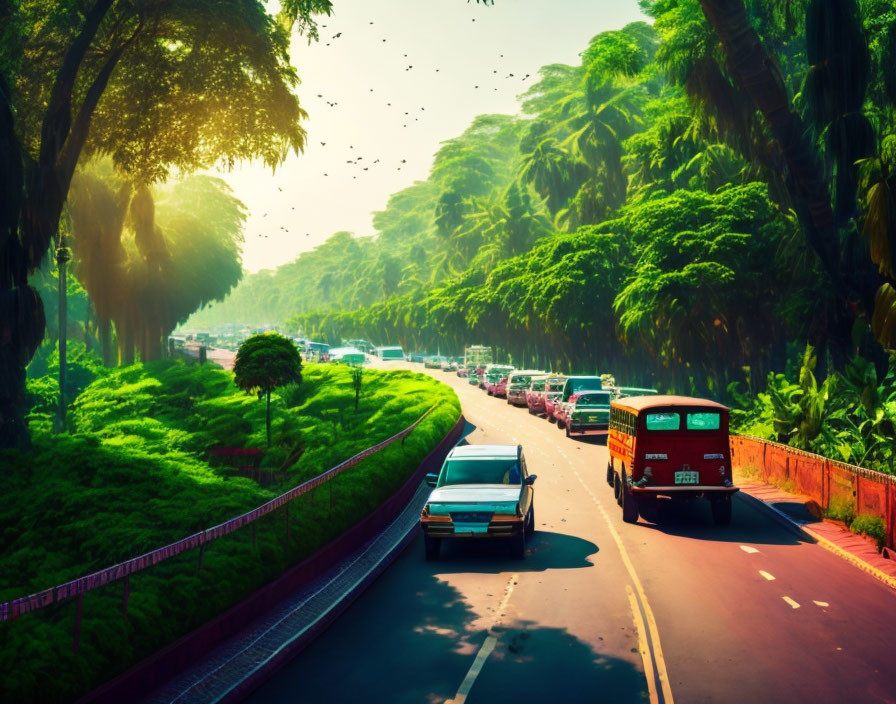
column 661, row 448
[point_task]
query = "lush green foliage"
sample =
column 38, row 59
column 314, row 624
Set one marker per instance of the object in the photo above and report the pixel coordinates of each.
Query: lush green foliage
column 148, row 257
column 654, row 139
column 134, row 475
column 609, row 227
column 265, row 362
column 156, row 87
column 850, row 416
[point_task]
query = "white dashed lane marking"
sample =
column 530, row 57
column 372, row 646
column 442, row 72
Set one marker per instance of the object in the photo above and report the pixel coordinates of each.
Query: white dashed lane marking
column 487, row 647
column 822, row 604
column 748, row 549
column 790, row 601
column 769, row 577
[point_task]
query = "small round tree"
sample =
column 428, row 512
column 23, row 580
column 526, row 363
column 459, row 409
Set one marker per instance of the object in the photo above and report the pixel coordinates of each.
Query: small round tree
column 264, row 362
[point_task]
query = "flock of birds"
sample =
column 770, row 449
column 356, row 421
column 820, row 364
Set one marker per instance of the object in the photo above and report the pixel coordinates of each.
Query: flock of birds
column 408, row 117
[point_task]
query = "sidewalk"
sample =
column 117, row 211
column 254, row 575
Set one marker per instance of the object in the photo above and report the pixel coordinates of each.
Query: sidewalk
column 799, row 513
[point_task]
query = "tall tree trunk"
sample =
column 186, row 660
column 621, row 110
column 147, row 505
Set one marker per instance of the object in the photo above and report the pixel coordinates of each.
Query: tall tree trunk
column 104, row 326
column 30, row 208
column 267, row 417
column 62, row 258
column 126, row 343
column 21, row 310
column 758, row 76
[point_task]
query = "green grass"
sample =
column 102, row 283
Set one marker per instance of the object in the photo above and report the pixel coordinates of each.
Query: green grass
column 133, row 475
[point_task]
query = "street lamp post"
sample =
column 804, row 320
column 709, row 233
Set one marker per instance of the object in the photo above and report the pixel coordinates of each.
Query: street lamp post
column 63, row 256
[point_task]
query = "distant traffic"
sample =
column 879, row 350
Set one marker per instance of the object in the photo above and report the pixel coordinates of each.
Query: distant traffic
column 661, row 448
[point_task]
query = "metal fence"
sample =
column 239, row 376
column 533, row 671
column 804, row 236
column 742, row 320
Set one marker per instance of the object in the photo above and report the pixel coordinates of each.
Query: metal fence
column 80, row 586
column 824, row 480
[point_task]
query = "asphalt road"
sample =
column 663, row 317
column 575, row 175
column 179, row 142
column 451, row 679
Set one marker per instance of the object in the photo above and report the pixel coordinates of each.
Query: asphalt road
column 603, row 611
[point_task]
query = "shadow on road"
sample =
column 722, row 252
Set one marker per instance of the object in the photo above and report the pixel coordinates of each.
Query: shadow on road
column 468, row 428
column 749, row 524
column 544, row 551
column 412, row 638
column 538, row 664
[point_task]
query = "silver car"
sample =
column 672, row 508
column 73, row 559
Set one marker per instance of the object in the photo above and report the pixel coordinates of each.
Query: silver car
column 482, row 491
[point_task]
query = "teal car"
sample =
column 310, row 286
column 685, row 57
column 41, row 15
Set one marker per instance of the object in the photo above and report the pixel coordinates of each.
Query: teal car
column 482, row 491
column 626, row 391
column 588, row 412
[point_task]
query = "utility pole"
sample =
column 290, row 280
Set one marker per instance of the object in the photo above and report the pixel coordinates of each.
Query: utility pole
column 63, row 256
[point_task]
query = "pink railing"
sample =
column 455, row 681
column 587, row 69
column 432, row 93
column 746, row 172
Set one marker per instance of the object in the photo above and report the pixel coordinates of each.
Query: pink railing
column 821, row 479
column 123, row 570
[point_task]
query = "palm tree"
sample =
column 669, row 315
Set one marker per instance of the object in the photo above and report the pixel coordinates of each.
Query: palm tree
column 547, row 168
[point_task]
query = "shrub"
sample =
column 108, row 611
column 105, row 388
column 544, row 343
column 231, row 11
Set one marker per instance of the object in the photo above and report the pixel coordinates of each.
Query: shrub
column 841, row 508
column 134, row 475
column 872, row 526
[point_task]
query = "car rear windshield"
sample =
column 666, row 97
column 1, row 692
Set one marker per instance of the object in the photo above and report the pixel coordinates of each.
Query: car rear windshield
column 594, row 400
column 493, row 471
column 670, row 420
column 556, row 385
column 521, row 381
column 583, row 384
column 538, row 385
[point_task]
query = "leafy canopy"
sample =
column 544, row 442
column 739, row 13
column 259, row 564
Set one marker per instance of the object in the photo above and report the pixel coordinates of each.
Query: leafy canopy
column 264, row 362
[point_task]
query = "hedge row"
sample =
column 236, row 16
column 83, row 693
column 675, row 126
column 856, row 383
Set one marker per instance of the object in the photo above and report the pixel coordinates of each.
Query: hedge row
column 133, row 474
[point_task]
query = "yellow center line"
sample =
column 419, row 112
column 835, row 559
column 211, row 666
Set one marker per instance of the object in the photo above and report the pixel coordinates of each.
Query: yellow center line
column 648, row 639
column 659, row 659
column 643, row 647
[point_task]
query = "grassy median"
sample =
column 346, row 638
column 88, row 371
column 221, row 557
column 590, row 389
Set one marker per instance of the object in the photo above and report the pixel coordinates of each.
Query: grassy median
column 133, row 474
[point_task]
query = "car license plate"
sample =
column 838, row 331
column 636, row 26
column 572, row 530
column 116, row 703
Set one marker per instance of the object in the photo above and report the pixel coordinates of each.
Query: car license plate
column 471, row 517
column 687, row 477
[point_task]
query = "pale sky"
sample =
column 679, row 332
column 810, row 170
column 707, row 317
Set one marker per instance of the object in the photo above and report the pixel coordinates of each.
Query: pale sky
column 451, row 47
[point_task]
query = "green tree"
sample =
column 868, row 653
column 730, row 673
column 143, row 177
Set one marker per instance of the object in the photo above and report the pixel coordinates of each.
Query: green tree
column 148, row 277
column 99, row 76
column 265, row 362
column 747, row 81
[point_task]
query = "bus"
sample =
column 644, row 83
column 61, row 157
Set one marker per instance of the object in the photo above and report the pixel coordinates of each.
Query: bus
column 390, row 353
column 347, row 355
column 669, row 448
column 477, row 356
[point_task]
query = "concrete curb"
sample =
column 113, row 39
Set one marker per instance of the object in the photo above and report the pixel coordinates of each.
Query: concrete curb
column 811, row 535
column 283, row 657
